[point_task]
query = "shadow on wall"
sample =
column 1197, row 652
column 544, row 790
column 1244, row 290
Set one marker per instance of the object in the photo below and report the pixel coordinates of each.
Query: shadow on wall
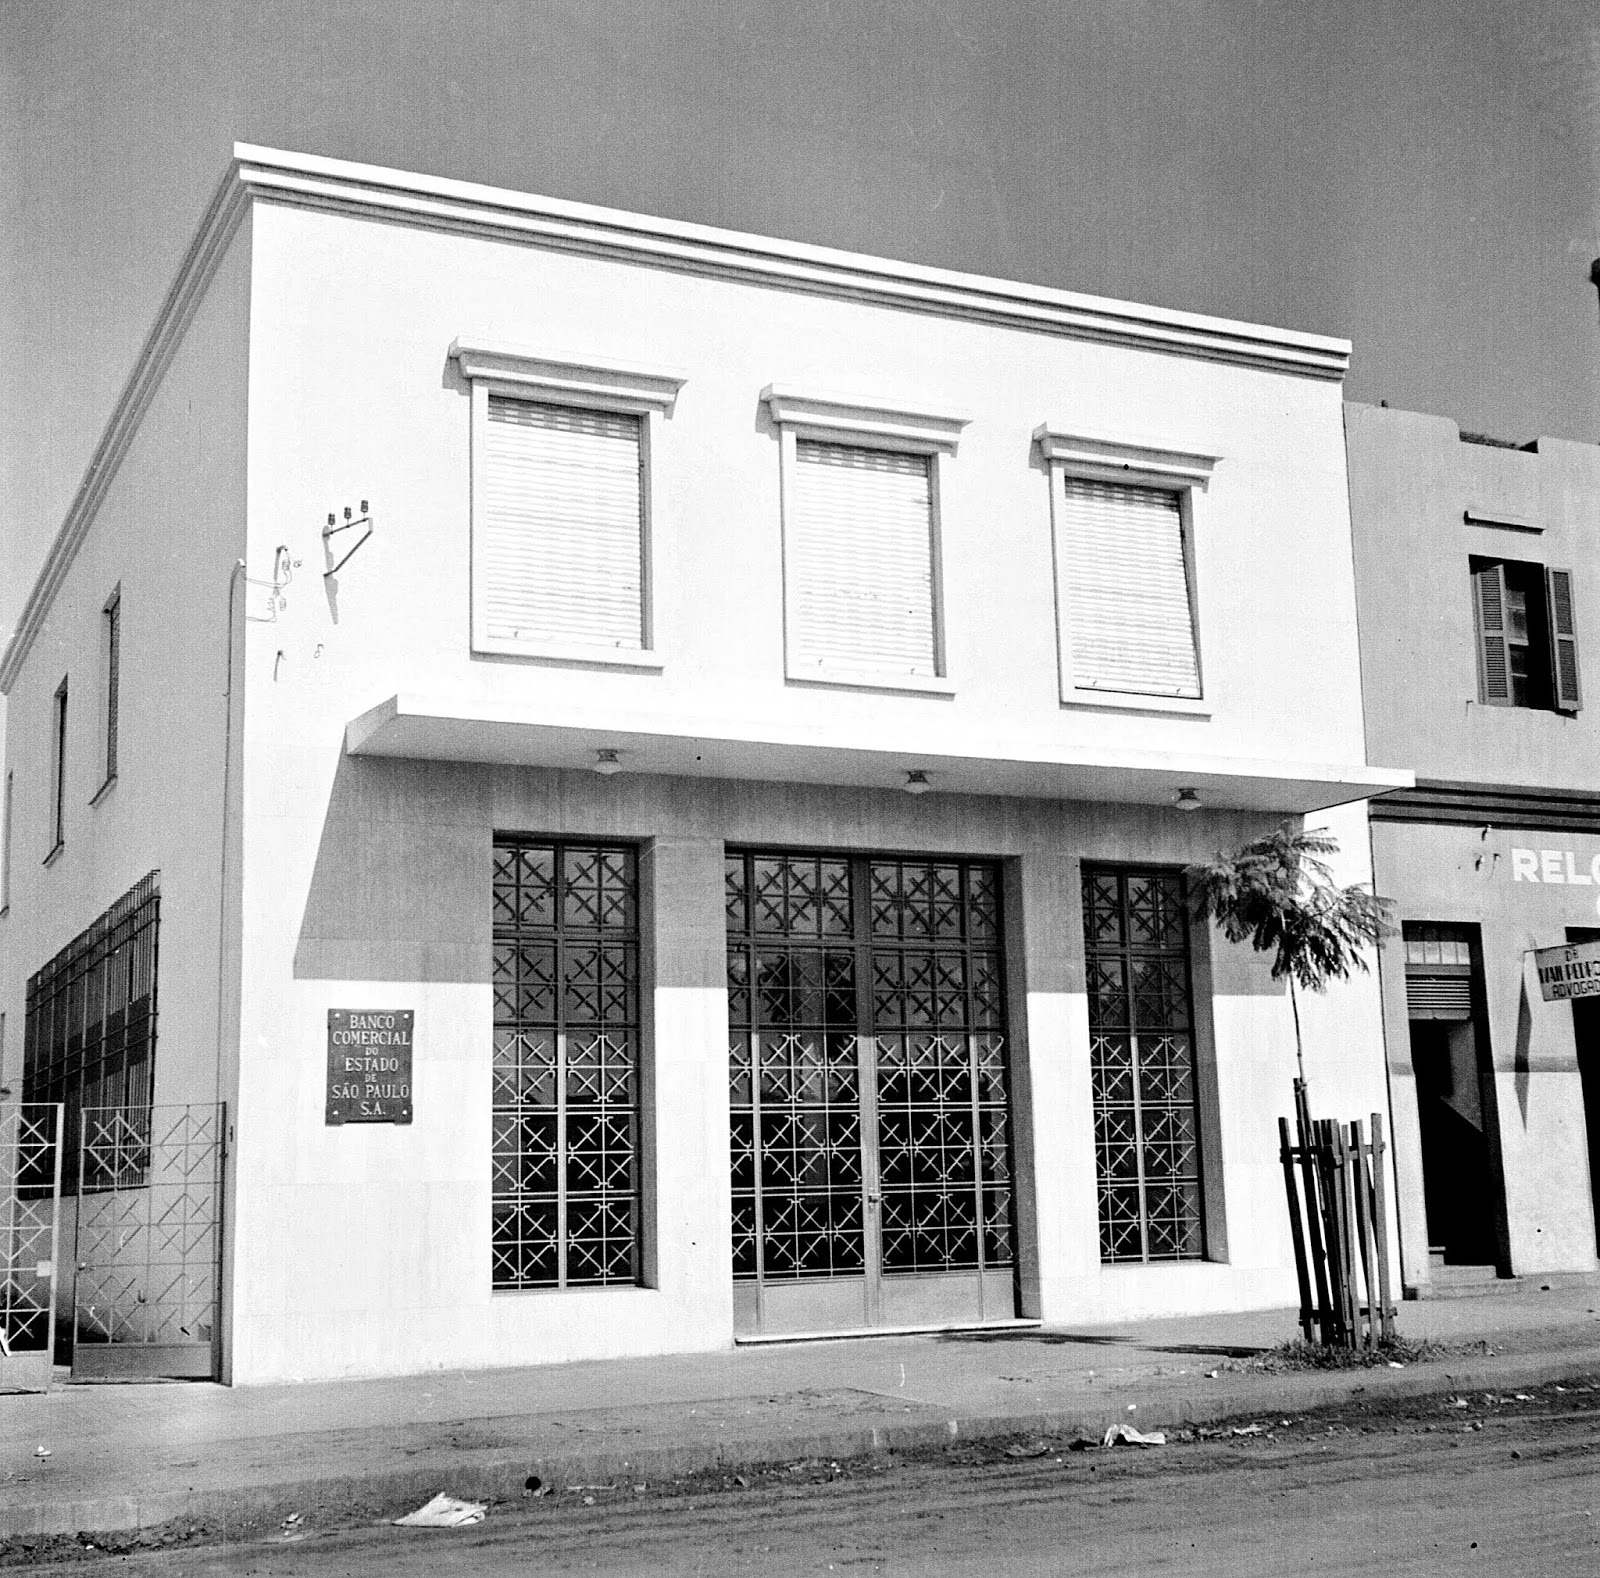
column 1236, row 969
column 400, row 888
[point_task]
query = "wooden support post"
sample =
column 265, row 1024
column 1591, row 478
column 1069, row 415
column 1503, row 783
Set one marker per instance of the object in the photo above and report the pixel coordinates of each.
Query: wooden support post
column 1363, row 1227
column 1316, row 1242
column 1296, row 1228
column 1380, row 1222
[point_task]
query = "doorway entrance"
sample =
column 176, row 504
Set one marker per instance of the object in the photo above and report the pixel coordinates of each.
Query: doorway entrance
column 1456, row 1107
column 871, row 1144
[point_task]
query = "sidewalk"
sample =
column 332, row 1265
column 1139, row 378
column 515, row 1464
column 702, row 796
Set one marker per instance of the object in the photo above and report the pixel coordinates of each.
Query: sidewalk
column 132, row 1456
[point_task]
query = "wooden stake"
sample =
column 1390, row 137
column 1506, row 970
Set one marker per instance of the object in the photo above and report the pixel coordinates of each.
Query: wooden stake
column 1316, row 1242
column 1296, row 1230
column 1380, row 1223
column 1363, row 1227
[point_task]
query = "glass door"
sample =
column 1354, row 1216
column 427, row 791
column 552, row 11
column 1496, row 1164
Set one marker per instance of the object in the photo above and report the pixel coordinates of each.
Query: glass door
column 870, row 1110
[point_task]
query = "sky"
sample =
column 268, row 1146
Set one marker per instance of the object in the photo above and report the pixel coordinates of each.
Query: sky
column 1420, row 176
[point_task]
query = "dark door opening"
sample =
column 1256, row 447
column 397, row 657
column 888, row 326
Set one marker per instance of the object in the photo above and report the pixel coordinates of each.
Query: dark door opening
column 1456, row 1109
column 1456, row 1164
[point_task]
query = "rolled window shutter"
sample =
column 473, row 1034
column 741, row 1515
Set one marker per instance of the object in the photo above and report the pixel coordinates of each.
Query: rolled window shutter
column 1489, row 604
column 1563, row 641
column 562, row 544
column 1128, row 610
column 1439, row 997
column 863, row 558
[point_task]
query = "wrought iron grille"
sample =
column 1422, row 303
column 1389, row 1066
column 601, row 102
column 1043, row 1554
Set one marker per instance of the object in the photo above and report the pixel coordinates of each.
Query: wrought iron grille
column 841, row 1009
column 29, row 1207
column 1136, row 942
column 90, row 1039
column 566, row 1065
column 937, row 1016
column 149, row 1225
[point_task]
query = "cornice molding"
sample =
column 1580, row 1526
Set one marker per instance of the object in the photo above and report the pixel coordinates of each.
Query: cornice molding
column 200, row 262
column 1511, row 806
column 373, row 192
column 612, row 386
column 1110, row 460
column 376, row 192
column 841, row 417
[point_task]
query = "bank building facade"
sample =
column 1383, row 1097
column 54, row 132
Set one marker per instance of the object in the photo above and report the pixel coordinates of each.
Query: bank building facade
column 583, row 785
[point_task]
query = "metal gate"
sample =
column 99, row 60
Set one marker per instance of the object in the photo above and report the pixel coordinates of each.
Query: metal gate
column 871, row 1149
column 30, row 1228
column 149, row 1241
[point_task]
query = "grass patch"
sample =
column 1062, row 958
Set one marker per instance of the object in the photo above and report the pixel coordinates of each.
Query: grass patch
column 1298, row 1354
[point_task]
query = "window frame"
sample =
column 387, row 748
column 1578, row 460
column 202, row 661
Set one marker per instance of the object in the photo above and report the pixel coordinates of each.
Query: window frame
column 612, row 387
column 1210, row 1220
column 8, row 793
column 110, row 690
column 1180, row 473
column 58, row 771
column 1544, row 634
column 896, row 428
column 561, row 937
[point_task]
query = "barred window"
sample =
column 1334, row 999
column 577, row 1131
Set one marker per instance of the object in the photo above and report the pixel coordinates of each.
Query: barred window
column 1136, row 941
column 566, row 1065
column 89, row 1039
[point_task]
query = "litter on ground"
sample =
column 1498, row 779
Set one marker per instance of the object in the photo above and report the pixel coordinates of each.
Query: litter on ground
column 1134, row 1437
column 444, row 1512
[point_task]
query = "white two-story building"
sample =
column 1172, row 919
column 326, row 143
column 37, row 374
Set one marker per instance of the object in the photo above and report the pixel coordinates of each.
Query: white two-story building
column 697, row 853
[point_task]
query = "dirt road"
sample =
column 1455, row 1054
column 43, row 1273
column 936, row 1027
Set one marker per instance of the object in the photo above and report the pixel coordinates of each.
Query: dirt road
column 1503, row 1484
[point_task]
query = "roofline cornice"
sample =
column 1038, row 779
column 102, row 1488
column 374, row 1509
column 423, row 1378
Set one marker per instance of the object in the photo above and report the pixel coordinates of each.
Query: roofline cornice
column 312, row 181
column 372, row 191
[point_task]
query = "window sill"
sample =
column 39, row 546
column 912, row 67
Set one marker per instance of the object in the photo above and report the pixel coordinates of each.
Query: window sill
column 571, row 652
column 1131, row 701
column 55, row 854
column 104, row 790
column 865, row 679
column 582, row 1287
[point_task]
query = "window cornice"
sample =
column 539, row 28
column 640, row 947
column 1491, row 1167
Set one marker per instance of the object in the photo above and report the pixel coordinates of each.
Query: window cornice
column 1111, row 460
column 875, row 423
column 597, row 385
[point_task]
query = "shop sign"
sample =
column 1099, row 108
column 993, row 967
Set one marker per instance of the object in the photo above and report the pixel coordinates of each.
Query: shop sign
column 1556, row 867
column 369, row 1065
column 1572, row 971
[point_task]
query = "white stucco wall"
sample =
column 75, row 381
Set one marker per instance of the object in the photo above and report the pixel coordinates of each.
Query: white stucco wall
column 168, row 532
column 366, row 881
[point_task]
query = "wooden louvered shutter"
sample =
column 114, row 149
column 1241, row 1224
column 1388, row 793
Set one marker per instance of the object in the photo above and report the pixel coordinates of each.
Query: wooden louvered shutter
column 1489, row 604
column 1127, row 590
column 562, row 544
column 862, row 560
column 1563, row 641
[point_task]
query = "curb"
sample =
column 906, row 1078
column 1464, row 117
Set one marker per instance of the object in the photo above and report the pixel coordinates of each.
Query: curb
column 497, row 1475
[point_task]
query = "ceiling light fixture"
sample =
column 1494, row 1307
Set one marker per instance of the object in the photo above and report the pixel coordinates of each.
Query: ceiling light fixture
column 916, row 782
column 606, row 763
column 1187, row 799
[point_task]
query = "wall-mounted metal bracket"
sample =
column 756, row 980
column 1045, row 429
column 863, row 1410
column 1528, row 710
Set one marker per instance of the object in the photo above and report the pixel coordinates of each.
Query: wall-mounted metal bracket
column 334, row 527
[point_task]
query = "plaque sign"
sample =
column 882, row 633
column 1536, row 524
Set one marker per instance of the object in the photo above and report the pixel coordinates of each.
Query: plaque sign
column 369, row 1065
column 1572, row 971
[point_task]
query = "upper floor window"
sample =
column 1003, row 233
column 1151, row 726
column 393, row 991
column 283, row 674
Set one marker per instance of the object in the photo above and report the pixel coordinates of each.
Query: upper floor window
column 1527, row 636
column 863, row 599
column 563, row 543
column 58, row 772
column 112, row 644
column 1126, row 603
column 5, row 843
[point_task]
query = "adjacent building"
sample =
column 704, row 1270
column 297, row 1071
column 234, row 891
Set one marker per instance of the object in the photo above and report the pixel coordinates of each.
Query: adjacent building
column 583, row 785
column 1478, row 591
